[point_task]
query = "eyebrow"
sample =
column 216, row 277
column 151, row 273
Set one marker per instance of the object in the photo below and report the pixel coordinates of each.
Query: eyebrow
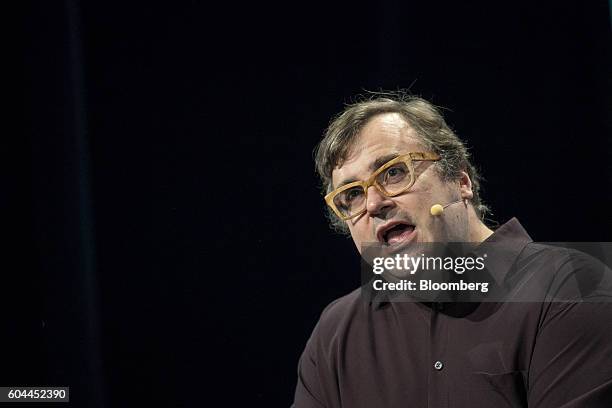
column 375, row 165
column 381, row 160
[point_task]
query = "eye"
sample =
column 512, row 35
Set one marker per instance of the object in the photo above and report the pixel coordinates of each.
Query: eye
column 394, row 174
column 353, row 194
column 350, row 199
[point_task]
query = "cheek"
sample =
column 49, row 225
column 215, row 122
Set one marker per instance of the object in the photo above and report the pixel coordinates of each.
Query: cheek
column 360, row 232
column 417, row 205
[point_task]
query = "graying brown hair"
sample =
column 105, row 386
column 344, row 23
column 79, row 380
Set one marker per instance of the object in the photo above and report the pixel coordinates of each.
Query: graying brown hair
column 422, row 116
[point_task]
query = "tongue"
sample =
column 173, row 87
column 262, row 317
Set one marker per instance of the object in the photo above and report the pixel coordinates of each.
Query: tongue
column 399, row 234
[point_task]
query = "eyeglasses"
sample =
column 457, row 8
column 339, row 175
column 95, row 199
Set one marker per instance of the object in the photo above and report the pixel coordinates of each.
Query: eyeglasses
column 391, row 179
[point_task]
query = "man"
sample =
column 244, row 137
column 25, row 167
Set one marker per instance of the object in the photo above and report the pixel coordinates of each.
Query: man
column 387, row 165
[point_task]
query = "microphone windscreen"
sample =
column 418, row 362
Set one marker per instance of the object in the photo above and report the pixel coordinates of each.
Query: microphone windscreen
column 436, row 209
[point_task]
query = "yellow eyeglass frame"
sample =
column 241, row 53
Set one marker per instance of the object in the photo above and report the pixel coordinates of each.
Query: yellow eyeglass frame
column 407, row 158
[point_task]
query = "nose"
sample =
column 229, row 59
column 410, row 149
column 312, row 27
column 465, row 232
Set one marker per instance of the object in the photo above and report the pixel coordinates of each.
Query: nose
column 377, row 203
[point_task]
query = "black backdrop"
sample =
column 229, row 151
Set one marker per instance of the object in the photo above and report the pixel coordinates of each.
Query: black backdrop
column 175, row 250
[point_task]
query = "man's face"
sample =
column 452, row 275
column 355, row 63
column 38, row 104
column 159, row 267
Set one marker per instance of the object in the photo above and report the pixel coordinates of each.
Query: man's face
column 404, row 219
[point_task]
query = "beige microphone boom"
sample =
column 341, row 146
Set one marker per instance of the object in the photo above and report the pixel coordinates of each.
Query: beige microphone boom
column 437, row 209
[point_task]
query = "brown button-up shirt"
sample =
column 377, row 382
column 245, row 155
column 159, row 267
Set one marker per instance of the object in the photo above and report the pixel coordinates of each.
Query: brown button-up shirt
column 489, row 354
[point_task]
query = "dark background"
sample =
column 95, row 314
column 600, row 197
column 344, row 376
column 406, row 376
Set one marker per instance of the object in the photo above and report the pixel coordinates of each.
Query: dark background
column 173, row 249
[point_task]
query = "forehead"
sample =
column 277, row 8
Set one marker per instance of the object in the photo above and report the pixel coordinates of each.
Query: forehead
column 382, row 135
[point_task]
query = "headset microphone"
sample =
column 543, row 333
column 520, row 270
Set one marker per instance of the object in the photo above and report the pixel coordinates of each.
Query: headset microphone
column 437, row 209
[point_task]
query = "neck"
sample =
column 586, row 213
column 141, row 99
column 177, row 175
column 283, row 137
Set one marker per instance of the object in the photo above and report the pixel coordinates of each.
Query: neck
column 478, row 231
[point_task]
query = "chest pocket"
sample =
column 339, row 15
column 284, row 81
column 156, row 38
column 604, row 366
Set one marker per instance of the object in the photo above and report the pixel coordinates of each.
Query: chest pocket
column 493, row 380
column 497, row 390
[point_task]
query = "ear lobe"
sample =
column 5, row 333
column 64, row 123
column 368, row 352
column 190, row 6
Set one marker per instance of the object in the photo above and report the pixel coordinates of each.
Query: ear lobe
column 465, row 186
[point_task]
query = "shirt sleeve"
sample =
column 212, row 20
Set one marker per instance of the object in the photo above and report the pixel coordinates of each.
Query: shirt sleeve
column 571, row 364
column 308, row 392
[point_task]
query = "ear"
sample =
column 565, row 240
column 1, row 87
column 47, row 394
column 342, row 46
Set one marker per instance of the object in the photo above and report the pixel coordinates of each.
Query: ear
column 465, row 186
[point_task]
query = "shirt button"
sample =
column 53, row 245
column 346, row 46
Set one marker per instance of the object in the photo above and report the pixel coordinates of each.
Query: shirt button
column 438, row 365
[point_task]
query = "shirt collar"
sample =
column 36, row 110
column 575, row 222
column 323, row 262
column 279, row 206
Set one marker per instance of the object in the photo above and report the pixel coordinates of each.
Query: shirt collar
column 503, row 248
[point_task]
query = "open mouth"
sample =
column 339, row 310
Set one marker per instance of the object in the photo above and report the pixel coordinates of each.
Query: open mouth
column 397, row 233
